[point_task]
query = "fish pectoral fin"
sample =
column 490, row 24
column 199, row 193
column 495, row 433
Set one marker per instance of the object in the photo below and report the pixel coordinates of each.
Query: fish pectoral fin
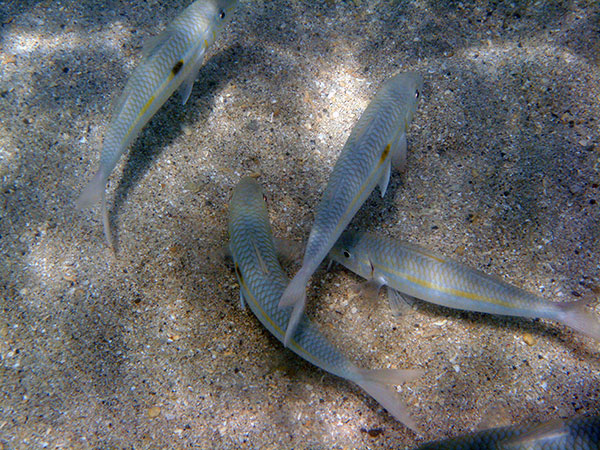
column 548, row 431
column 398, row 152
column 399, row 303
column 385, row 177
column 369, row 289
column 185, row 89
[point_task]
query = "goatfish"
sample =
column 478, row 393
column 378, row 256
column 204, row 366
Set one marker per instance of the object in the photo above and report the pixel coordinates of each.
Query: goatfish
column 171, row 60
column 580, row 433
column 377, row 141
column 414, row 271
column 262, row 281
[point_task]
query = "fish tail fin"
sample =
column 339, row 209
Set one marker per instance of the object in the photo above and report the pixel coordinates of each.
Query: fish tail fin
column 106, row 223
column 295, row 317
column 92, row 192
column 374, row 383
column 294, row 294
column 577, row 316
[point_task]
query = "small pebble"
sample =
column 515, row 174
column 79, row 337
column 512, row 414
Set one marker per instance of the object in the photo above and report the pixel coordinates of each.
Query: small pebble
column 154, row 412
column 529, row 339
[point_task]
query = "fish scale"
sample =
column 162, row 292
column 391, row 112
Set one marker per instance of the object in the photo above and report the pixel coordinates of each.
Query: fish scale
column 171, row 60
column 262, row 282
column 364, row 162
column 413, row 270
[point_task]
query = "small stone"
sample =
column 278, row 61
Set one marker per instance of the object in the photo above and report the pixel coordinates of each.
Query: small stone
column 529, row 339
column 154, row 412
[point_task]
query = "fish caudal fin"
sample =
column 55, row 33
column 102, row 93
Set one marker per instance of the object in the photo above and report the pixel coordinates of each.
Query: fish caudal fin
column 374, row 383
column 577, row 316
column 297, row 313
column 106, row 223
column 294, row 294
column 92, row 192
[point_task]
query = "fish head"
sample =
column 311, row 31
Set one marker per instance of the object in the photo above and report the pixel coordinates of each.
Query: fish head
column 224, row 10
column 349, row 252
column 408, row 86
column 248, row 194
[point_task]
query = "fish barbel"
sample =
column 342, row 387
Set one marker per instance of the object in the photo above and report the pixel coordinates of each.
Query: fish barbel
column 262, row 281
column 377, row 141
column 170, row 60
column 417, row 272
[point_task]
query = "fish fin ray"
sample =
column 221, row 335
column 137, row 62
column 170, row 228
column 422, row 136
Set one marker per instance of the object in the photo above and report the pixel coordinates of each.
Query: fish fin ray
column 238, row 275
column 399, row 302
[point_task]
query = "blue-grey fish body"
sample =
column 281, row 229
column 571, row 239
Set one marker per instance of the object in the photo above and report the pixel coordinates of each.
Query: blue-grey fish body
column 171, row 60
column 580, row 433
column 417, row 272
column 377, row 140
column 262, row 281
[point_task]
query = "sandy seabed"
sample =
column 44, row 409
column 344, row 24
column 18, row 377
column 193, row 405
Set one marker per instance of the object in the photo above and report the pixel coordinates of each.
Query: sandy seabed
column 150, row 349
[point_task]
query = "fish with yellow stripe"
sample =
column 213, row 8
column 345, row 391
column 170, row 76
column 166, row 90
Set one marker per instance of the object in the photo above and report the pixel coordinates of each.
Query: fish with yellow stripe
column 414, row 271
column 170, row 61
column 377, row 141
column 262, row 281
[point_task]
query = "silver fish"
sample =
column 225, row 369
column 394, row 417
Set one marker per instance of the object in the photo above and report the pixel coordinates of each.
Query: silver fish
column 377, row 141
column 580, row 433
column 417, row 272
column 170, row 60
column 262, row 281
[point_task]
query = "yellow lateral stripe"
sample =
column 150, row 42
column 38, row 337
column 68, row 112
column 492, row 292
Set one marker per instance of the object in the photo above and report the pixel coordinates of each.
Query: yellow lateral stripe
column 451, row 291
column 157, row 92
column 385, row 153
column 251, row 297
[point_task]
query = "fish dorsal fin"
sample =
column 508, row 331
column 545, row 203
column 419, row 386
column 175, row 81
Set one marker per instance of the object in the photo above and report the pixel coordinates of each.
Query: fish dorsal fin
column 155, row 43
column 548, row 431
column 259, row 258
column 185, row 89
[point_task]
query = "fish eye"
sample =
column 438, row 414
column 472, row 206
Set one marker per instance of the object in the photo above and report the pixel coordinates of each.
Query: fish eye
column 417, row 94
column 222, row 14
column 346, row 254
